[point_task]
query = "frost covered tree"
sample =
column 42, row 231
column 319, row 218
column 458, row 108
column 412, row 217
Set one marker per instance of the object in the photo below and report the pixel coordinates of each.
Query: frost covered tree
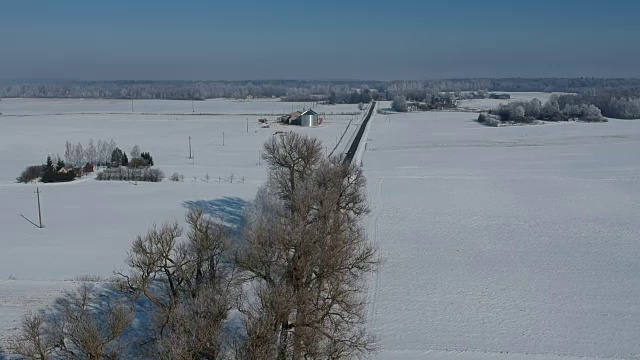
column 135, row 152
column 91, row 153
column 399, row 104
column 111, row 147
column 78, row 155
column 518, row 112
column 69, row 154
column 550, row 110
column 101, row 149
column 532, row 108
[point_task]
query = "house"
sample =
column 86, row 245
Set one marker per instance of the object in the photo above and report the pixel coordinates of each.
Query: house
column 500, row 96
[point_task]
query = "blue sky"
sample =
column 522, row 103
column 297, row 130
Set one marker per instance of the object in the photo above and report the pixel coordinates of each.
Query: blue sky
column 401, row 39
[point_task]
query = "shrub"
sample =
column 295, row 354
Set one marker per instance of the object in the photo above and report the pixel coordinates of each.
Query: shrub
column 488, row 120
column 138, row 163
column 175, row 177
column 51, row 176
column 30, row 173
column 128, row 174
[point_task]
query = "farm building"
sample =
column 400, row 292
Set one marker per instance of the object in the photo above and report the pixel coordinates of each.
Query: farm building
column 306, row 118
column 309, row 118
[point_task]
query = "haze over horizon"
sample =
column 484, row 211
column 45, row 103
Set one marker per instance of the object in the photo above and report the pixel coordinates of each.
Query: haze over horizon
column 162, row 40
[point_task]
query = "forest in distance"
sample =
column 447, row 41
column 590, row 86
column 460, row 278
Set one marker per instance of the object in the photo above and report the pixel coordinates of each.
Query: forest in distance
column 616, row 98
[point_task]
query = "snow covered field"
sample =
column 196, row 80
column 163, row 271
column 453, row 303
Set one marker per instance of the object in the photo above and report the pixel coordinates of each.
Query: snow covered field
column 89, row 225
column 212, row 106
column 500, row 243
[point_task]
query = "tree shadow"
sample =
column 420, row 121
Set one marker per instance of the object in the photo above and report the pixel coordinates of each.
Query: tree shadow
column 231, row 210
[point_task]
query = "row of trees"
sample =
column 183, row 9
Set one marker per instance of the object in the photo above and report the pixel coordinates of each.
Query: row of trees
column 106, row 153
column 431, row 101
column 78, row 155
column 302, row 90
column 615, row 103
column 619, row 98
column 298, row 90
column 290, row 284
column 527, row 112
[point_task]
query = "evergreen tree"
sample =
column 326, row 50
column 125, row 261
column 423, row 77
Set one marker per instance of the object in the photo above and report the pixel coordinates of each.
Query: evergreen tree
column 116, row 157
column 147, row 157
column 49, row 172
column 125, row 160
column 60, row 164
column 49, row 165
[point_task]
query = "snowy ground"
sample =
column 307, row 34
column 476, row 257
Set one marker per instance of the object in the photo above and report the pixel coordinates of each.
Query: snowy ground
column 27, row 107
column 501, row 243
column 487, row 104
column 89, row 225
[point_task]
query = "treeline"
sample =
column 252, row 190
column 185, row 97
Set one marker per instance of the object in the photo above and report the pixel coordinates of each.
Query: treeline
column 553, row 110
column 617, row 98
column 622, row 103
column 305, row 90
column 185, row 90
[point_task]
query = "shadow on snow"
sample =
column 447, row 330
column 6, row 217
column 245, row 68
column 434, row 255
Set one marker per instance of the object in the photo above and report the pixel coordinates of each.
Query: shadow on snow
column 229, row 209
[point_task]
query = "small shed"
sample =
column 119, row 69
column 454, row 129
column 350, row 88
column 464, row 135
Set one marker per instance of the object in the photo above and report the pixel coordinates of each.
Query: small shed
column 309, row 118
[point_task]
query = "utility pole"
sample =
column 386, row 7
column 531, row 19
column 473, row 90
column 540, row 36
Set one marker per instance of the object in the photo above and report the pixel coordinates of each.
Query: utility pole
column 132, row 105
column 247, row 125
column 190, row 156
column 193, row 107
column 223, row 138
column 259, row 156
column 39, row 212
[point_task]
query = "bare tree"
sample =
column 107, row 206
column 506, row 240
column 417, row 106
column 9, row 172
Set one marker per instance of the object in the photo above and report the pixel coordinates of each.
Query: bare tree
column 83, row 325
column 103, row 153
column 291, row 159
column 78, row 155
column 69, row 154
column 307, row 255
column 135, row 152
column 33, row 340
column 155, row 261
column 91, row 153
column 210, row 288
column 188, row 281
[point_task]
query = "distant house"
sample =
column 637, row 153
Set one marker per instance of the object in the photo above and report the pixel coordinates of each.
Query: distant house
column 87, row 168
column 500, row 96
